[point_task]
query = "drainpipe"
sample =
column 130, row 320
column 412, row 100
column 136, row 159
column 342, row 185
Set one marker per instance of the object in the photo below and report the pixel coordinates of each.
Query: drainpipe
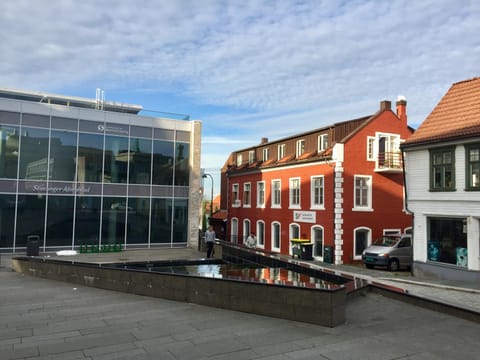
column 406, row 201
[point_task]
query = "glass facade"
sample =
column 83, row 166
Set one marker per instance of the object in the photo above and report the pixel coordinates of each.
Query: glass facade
column 78, row 182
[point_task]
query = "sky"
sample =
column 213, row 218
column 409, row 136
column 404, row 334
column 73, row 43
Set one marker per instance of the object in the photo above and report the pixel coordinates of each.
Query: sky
column 246, row 69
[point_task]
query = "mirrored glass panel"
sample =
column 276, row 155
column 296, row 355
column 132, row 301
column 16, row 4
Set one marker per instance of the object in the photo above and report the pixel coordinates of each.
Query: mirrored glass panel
column 140, row 164
column 87, row 220
column 138, row 220
column 33, row 154
column 9, row 151
column 60, row 220
column 182, row 164
column 30, row 218
column 113, row 220
column 90, row 158
column 180, row 221
column 163, row 153
column 161, row 228
column 63, row 152
column 7, row 220
column 116, row 159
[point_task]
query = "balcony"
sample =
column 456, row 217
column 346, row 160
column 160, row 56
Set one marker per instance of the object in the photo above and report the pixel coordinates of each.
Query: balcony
column 389, row 162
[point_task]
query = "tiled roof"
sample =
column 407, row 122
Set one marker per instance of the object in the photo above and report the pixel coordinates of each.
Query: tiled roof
column 456, row 116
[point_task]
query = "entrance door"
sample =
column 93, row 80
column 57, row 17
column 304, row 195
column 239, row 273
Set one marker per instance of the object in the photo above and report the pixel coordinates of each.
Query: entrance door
column 317, row 240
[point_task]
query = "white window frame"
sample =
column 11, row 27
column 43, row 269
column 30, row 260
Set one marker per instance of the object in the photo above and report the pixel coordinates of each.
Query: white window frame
column 260, row 234
column 392, row 231
column 274, row 204
column 300, row 148
column 247, row 229
column 368, row 206
column 251, row 156
column 265, row 154
column 234, row 231
column 281, row 151
column 236, row 195
column 312, row 240
column 371, row 153
column 247, row 195
column 369, row 240
column 313, row 205
column 274, row 248
column 261, row 194
column 322, row 142
column 291, row 193
column 292, row 229
column 239, row 159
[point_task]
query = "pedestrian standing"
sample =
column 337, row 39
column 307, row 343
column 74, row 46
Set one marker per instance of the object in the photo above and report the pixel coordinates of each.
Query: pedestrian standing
column 210, row 240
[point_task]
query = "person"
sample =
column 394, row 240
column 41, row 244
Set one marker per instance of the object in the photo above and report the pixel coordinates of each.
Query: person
column 210, row 240
column 251, row 241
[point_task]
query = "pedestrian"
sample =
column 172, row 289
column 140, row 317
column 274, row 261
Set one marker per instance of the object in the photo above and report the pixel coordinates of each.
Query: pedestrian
column 210, row 240
column 251, row 241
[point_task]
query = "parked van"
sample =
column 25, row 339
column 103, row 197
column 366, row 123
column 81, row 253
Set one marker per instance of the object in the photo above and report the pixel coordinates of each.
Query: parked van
column 392, row 251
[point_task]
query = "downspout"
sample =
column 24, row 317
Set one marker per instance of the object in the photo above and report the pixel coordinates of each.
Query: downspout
column 406, row 202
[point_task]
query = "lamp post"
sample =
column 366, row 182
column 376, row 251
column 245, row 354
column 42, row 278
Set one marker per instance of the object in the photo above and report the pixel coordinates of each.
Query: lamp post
column 211, row 194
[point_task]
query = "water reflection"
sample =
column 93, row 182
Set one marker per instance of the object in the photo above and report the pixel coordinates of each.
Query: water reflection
column 265, row 275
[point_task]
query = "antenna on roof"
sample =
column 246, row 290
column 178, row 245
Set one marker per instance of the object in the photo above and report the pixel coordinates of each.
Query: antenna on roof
column 100, row 99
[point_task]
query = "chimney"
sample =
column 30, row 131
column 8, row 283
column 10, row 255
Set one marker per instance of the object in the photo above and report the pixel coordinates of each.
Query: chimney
column 402, row 108
column 385, row 105
column 264, row 141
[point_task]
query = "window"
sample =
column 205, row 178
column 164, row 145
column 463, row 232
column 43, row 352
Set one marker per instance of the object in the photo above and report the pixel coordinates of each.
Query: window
column 261, row 194
column 239, row 159
column 235, row 198
column 300, row 148
column 246, row 194
column 322, row 142
column 442, row 169
column 276, row 236
column 251, row 156
column 473, row 167
column 370, row 148
column 447, row 240
column 276, row 193
column 234, row 233
column 317, row 240
column 260, row 234
column 316, row 184
column 363, row 193
column 281, row 151
column 362, row 239
column 265, row 154
column 295, row 193
column 294, row 231
column 246, row 230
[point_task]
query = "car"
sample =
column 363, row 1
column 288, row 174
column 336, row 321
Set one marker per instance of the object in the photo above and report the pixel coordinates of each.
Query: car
column 391, row 251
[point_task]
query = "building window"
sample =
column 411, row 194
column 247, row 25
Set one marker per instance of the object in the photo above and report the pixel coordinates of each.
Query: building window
column 276, row 193
column 370, row 148
column 234, row 232
column 265, row 154
column 442, row 169
column 247, row 194
column 362, row 239
column 239, row 159
column 363, row 193
column 447, row 240
column 295, row 193
column 261, row 194
column 300, row 148
column 281, row 151
column 317, row 241
column 317, row 192
column 251, row 156
column 235, row 196
column 260, row 234
column 322, row 142
column 276, row 236
column 473, row 167
column 246, row 230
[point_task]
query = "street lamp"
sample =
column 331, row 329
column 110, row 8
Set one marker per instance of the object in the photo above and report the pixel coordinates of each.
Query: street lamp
column 211, row 198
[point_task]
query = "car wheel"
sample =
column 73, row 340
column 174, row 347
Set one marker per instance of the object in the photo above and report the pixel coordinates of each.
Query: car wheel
column 369, row 266
column 393, row 265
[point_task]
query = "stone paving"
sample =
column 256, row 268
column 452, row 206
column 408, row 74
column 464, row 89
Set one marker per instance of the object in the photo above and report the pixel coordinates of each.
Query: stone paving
column 45, row 319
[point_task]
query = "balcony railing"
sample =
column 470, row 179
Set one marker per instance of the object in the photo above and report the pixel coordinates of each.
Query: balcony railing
column 389, row 162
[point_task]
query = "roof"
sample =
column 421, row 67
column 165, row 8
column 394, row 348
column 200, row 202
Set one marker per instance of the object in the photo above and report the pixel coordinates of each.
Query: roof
column 43, row 97
column 456, row 116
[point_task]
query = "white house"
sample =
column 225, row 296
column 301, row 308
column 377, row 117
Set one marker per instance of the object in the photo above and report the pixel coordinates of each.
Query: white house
column 442, row 170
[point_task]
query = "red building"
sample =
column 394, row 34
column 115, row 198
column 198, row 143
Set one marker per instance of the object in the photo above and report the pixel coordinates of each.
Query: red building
column 338, row 187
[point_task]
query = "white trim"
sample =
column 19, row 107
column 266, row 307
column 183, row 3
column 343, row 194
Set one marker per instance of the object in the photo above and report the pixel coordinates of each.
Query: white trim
column 272, row 196
column 249, row 204
column 276, row 249
column 312, row 231
column 312, row 205
column 290, row 197
column 245, row 231
column 259, row 204
column 369, row 240
column 368, row 207
column 259, row 245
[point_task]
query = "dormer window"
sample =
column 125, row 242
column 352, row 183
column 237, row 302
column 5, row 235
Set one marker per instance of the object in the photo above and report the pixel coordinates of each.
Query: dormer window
column 322, row 142
column 300, row 148
column 281, row 151
column 251, row 156
column 239, row 159
column 265, row 154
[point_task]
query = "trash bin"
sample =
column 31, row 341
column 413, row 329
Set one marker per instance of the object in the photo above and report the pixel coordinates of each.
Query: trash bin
column 328, row 254
column 306, row 251
column 33, row 245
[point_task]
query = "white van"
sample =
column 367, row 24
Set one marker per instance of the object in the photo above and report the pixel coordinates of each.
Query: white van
column 392, row 251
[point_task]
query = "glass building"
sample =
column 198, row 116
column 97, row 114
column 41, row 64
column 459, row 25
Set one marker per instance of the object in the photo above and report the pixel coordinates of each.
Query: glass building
column 80, row 171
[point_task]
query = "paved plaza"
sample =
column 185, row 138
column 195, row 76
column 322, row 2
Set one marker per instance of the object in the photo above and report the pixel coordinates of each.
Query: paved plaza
column 46, row 319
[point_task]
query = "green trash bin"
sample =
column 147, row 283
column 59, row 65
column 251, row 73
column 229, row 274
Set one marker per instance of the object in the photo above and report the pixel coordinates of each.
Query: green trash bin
column 328, row 254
